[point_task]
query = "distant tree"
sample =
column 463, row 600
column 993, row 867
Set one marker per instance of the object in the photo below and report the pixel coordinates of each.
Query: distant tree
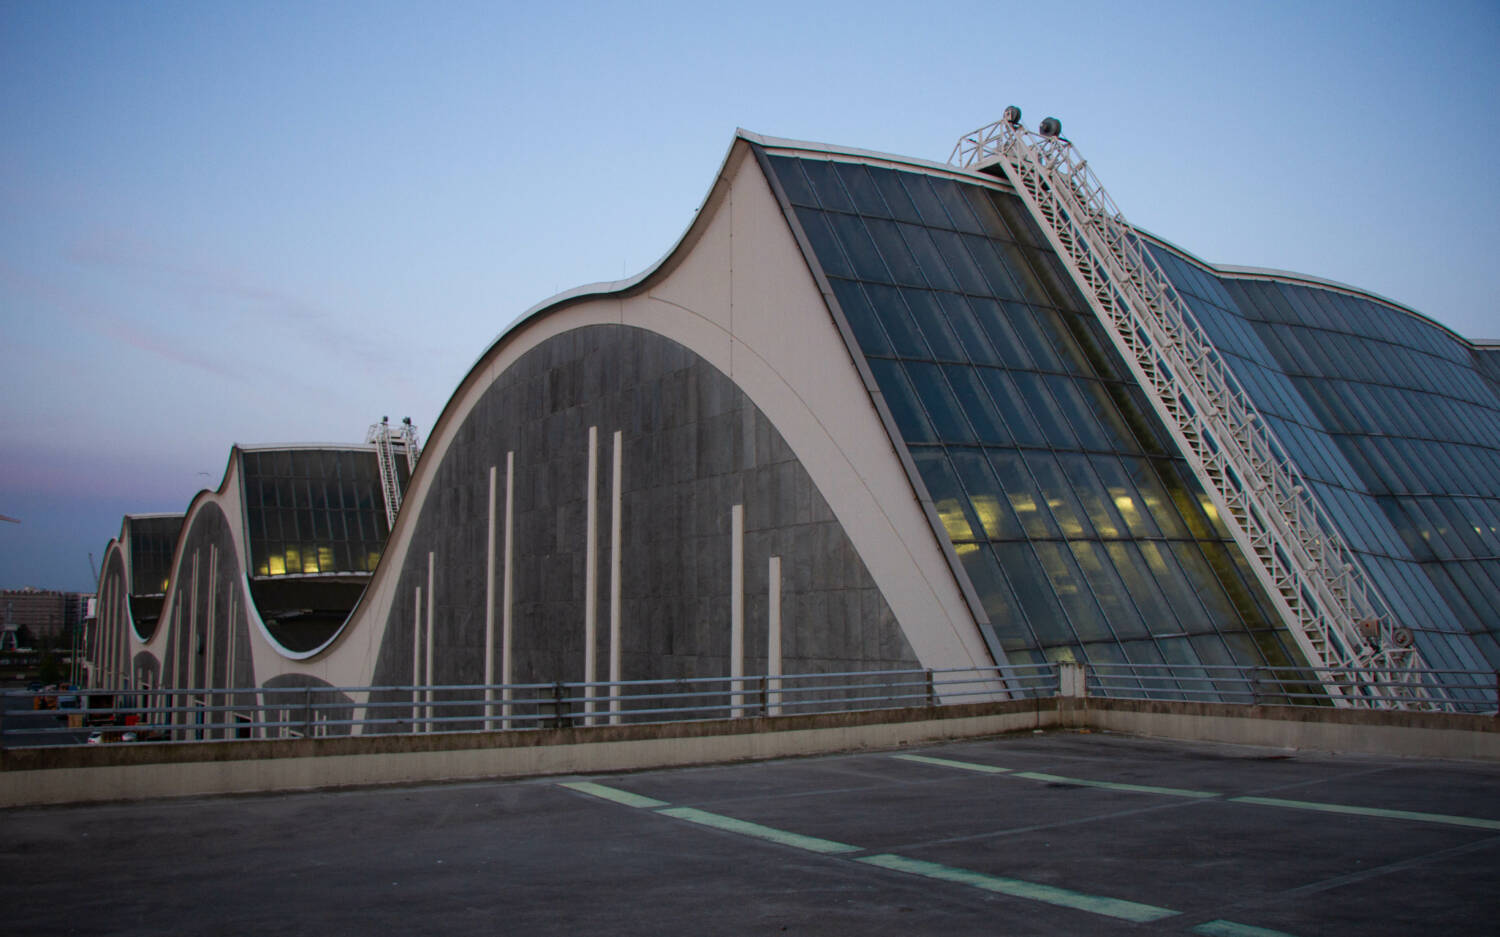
column 49, row 670
column 23, row 636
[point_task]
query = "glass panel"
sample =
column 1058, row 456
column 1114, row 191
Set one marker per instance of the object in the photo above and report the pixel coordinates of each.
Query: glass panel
column 861, row 318
column 906, row 338
column 988, row 499
column 976, row 404
column 1038, row 601
column 1124, row 618
column 1018, row 417
column 948, row 497
column 934, row 325
column 971, row 336
column 1024, row 498
column 1059, row 496
column 793, row 183
column 825, row 183
column 910, row 418
column 1076, row 598
column 864, row 259
column 1006, row 619
column 867, row 198
column 825, row 246
column 935, row 394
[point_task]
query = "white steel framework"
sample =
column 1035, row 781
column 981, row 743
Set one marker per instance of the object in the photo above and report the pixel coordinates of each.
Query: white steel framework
column 1335, row 615
column 386, row 441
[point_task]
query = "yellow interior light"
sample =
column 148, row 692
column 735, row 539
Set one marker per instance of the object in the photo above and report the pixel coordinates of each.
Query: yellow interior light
column 952, row 516
column 988, row 509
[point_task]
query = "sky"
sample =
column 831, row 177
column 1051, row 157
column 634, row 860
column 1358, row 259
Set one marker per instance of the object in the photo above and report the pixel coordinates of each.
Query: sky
column 268, row 222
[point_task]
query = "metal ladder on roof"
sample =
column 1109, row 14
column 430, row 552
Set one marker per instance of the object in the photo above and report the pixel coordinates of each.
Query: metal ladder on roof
column 385, row 440
column 1362, row 656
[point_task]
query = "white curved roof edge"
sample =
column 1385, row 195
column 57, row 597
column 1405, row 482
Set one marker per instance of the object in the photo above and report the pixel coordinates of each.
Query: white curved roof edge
column 268, row 446
column 1291, row 276
column 928, row 165
column 144, row 517
column 606, row 287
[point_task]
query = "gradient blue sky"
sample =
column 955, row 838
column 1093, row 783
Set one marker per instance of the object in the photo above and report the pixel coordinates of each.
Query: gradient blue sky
column 267, row 222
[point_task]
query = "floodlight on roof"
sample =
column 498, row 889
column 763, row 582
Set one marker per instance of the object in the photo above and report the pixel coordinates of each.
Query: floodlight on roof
column 1011, row 115
column 1051, row 127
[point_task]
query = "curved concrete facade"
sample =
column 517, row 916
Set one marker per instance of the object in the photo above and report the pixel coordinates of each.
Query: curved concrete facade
column 637, row 480
column 744, row 430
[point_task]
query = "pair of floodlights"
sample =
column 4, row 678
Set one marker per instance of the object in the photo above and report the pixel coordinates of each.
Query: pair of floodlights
column 1050, row 126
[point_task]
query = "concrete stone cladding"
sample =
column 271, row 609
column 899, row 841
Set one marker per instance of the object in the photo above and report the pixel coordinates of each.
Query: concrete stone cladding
column 208, row 642
column 693, row 446
column 105, row 641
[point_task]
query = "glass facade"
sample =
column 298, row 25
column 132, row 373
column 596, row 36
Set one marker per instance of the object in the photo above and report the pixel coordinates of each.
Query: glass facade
column 1395, row 426
column 1083, row 533
column 152, row 541
column 313, row 511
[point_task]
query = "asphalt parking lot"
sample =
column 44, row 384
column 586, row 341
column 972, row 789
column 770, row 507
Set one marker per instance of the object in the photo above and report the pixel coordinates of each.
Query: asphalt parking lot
column 1055, row 834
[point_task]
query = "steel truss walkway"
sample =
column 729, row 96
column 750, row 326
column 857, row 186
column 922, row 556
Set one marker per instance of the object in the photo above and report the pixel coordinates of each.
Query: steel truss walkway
column 1317, row 585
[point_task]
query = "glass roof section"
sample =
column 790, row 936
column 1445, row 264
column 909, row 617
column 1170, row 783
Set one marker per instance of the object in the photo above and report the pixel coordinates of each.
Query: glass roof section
column 152, row 542
column 315, row 520
column 1397, row 430
column 1082, row 532
column 153, row 539
column 313, row 511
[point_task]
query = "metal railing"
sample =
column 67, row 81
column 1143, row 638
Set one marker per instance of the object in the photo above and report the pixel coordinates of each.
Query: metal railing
column 1446, row 690
column 223, row 714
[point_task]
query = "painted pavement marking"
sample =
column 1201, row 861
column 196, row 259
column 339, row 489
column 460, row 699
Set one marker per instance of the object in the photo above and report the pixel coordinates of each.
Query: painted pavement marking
column 1034, row 891
column 1231, row 929
column 771, row 834
column 1116, row 786
column 1014, row 887
column 950, row 763
column 614, row 794
column 1476, row 822
column 1479, row 823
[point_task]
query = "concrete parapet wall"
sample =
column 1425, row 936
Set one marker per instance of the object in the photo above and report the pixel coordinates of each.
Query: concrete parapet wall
column 135, row 771
column 129, row 772
column 1363, row 731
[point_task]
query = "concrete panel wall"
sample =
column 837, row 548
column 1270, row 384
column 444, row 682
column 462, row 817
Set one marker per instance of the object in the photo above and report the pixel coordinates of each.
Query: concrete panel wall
column 692, row 448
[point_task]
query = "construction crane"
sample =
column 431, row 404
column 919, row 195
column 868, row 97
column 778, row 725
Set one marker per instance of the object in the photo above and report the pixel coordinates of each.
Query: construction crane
column 1336, row 616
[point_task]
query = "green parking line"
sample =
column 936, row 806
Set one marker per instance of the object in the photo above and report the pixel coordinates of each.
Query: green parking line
column 746, row 828
column 1231, row 929
column 610, row 793
column 1115, row 786
column 1050, row 894
column 1479, row 823
column 1475, row 822
column 948, row 763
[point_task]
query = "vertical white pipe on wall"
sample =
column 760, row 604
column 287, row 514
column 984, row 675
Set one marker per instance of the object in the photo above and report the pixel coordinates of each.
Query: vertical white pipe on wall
column 211, row 646
column 505, row 623
column 416, row 660
column 591, row 578
column 192, row 654
column 615, row 502
column 737, row 610
column 431, row 599
column 489, row 611
column 773, row 637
